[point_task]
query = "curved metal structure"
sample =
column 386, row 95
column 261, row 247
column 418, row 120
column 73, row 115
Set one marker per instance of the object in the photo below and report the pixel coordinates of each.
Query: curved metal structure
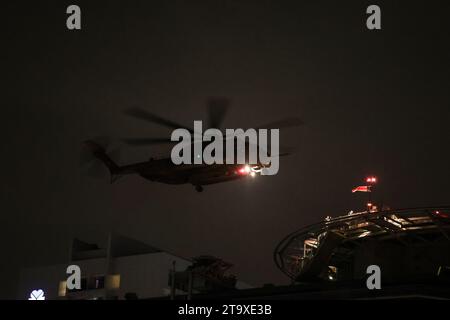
column 305, row 253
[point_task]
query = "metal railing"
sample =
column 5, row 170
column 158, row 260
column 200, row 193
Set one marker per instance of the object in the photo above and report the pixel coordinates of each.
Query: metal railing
column 297, row 247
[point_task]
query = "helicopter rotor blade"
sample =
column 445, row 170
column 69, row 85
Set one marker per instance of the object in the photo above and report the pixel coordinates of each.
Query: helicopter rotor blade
column 147, row 141
column 217, row 110
column 91, row 165
column 142, row 114
column 278, row 124
column 283, row 123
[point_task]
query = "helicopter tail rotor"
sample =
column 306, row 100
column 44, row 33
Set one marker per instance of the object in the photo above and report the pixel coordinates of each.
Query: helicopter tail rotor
column 93, row 151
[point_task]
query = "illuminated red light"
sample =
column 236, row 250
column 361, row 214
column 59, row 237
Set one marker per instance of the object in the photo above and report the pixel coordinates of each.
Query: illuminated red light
column 371, row 180
column 441, row 214
column 245, row 170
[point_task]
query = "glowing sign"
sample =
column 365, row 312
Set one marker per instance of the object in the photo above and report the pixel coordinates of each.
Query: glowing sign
column 37, row 295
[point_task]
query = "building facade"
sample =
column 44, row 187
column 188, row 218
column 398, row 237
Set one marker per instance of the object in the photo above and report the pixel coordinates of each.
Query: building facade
column 125, row 269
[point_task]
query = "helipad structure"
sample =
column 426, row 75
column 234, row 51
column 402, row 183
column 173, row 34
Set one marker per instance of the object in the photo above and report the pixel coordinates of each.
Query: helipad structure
column 404, row 243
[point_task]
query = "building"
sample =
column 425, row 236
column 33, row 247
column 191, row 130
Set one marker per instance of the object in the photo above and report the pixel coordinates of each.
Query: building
column 125, row 269
column 329, row 259
column 408, row 245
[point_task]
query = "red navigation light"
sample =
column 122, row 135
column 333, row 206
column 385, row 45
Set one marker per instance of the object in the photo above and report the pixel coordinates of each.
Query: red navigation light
column 371, row 180
column 245, row 170
column 441, row 214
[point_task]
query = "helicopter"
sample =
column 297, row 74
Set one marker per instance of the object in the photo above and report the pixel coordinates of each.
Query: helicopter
column 164, row 170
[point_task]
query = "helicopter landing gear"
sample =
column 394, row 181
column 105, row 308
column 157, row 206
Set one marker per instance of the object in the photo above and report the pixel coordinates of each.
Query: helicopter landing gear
column 199, row 188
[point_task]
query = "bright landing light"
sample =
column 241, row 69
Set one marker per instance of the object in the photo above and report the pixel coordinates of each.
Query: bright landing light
column 245, row 170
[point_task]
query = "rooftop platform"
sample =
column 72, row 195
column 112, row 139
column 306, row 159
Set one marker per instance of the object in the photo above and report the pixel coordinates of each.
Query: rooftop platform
column 306, row 253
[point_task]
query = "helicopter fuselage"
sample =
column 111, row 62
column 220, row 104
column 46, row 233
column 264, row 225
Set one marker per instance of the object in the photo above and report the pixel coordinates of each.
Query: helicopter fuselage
column 163, row 170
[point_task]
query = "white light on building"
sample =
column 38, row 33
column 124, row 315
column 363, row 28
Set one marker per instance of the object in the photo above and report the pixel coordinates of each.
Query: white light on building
column 37, row 295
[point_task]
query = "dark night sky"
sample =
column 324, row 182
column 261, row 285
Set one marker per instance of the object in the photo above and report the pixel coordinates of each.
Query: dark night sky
column 373, row 102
